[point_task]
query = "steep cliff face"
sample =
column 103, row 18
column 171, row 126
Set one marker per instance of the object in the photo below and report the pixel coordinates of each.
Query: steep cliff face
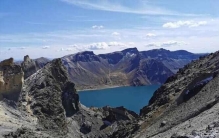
column 11, row 80
column 173, row 60
column 50, row 96
column 151, row 71
column 41, row 103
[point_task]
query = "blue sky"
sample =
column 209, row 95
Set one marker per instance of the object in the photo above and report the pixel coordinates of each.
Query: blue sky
column 54, row 28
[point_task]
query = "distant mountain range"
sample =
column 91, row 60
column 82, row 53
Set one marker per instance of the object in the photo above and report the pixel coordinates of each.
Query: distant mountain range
column 128, row 67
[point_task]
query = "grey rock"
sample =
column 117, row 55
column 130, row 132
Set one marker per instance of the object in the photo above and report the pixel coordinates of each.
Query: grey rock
column 86, row 127
column 31, row 66
column 163, row 123
column 50, row 96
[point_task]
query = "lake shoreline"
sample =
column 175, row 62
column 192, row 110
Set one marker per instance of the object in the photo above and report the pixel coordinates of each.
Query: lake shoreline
column 101, row 88
column 110, row 87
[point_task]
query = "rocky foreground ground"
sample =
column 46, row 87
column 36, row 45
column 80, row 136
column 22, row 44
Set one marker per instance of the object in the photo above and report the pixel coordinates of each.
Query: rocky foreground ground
column 45, row 104
column 185, row 106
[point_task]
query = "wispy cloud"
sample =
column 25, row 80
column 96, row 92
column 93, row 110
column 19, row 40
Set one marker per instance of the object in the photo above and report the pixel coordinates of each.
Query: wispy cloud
column 22, row 48
column 139, row 8
column 167, row 44
column 179, row 24
column 107, row 45
column 97, row 46
column 45, row 47
column 97, row 27
column 150, row 35
column 115, row 33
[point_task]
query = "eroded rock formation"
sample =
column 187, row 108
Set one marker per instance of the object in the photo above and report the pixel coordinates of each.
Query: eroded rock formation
column 30, row 66
column 11, row 80
column 47, row 93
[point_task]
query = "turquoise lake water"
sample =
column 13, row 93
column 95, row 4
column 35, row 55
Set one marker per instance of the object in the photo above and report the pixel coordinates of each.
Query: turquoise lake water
column 132, row 98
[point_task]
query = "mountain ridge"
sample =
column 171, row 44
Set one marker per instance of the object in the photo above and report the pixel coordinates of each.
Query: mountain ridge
column 124, row 68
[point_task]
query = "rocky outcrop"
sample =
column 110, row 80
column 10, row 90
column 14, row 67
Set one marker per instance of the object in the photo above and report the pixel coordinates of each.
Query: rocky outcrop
column 50, row 96
column 41, row 62
column 45, row 100
column 101, row 122
column 31, row 66
column 11, row 80
column 25, row 132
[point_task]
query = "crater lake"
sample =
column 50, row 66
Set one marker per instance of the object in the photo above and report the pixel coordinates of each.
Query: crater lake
column 132, row 98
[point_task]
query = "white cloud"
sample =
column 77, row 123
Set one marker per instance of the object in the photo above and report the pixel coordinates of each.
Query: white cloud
column 173, row 43
column 179, row 24
column 152, row 45
column 97, row 27
column 69, row 49
column 116, row 44
column 45, row 47
column 115, row 34
column 167, row 44
column 131, row 43
column 98, row 46
column 107, row 45
column 150, row 35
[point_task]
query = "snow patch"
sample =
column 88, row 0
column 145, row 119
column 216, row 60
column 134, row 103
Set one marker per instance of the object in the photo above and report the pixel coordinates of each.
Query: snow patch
column 128, row 54
column 202, row 82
